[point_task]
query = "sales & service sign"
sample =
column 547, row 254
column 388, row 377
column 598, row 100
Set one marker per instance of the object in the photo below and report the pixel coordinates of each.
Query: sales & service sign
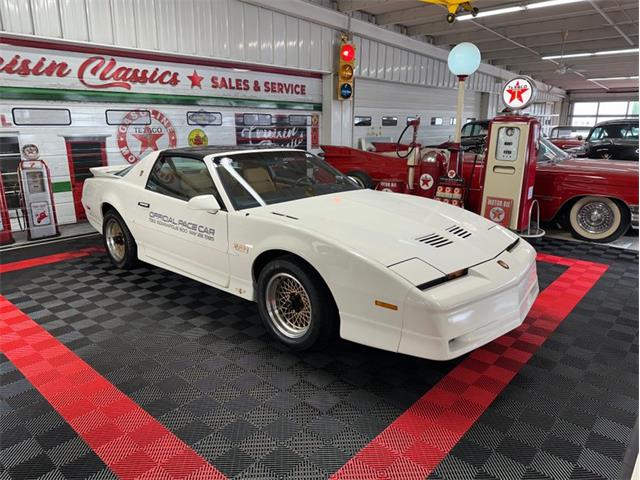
column 60, row 69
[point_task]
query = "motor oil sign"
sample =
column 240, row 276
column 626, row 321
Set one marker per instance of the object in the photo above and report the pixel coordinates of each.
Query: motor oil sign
column 498, row 210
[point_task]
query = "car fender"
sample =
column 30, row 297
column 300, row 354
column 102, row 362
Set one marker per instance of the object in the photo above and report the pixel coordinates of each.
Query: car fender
column 360, row 318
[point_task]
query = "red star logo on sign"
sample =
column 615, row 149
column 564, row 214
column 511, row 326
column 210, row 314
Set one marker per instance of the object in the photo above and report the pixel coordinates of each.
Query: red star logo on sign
column 148, row 140
column 497, row 214
column 516, row 92
column 196, row 80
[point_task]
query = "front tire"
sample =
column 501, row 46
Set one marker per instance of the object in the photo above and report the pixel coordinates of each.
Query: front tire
column 118, row 241
column 295, row 305
column 598, row 219
column 362, row 179
column 451, row 17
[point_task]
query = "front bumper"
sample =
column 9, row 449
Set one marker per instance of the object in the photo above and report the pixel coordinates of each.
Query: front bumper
column 634, row 215
column 464, row 314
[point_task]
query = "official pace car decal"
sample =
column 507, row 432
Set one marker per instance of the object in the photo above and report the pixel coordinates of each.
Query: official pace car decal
column 183, row 226
column 142, row 131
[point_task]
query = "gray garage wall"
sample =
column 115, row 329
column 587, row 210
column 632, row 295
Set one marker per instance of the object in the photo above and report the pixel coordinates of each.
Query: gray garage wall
column 377, row 99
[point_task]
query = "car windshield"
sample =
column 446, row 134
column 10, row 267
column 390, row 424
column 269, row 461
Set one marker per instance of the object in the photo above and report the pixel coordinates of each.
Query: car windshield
column 267, row 177
column 614, row 130
column 548, row 152
column 568, row 132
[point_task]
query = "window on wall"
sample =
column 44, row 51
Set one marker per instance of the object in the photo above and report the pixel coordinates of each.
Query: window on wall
column 389, row 121
column 362, row 121
column 436, row 121
column 299, row 120
column 202, row 118
column 587, row 114
column 133, row 117
column 41, row 116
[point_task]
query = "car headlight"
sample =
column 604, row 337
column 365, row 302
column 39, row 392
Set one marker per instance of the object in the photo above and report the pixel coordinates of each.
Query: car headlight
column 446, row 278
column 430, row 157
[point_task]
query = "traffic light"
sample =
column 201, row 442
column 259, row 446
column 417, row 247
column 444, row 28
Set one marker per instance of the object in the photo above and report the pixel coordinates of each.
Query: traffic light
column 346, row 65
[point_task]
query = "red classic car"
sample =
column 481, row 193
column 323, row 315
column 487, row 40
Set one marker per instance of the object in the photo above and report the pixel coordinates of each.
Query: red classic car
column 595, row 199
column 566, row 136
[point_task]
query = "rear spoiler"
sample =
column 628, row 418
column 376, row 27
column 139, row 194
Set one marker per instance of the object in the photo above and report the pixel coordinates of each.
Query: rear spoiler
column 108, row 171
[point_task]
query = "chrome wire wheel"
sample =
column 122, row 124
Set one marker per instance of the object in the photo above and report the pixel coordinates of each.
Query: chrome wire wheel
column 596, row 217
column 115, row 241
column 288, row 305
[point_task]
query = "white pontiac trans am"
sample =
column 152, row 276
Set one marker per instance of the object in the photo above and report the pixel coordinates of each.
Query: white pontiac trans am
column 316, row 252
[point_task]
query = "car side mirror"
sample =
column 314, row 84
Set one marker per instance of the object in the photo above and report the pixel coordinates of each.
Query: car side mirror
column 204, row 203
column 579, row 137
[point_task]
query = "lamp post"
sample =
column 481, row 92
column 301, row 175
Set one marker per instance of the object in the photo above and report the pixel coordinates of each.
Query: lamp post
column 463, row 60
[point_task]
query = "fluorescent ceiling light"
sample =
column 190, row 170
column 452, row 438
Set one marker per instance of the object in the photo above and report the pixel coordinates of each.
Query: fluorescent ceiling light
column 615, row 52
column 589, row 54
column 551, row 3
column 603, row 79
column 568, row 55
column 517, row 8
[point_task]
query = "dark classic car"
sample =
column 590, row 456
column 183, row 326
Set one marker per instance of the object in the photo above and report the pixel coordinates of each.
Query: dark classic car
column 613, row 139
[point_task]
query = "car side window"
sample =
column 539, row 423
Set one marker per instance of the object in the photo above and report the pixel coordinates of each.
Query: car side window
column 597, row 134
column 181, row 177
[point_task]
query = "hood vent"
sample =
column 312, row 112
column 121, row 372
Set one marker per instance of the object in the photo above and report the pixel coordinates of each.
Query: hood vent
column 434, row 240
column 458, row 231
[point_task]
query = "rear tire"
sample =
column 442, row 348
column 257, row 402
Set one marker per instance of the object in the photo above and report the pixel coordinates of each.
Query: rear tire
column 598, row 219
column 362, row 179
column 295, row 304
column 118, row 241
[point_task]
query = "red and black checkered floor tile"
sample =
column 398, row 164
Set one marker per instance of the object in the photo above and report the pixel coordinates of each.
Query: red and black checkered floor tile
column 145, row 374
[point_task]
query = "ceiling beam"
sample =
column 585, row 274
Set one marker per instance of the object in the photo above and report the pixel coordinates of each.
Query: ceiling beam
column 348, row 6
column 594, row 63
column 500, row 56
column 512, row 25
column 410, row 14
column 524, row 35
column 550, row 39
column 611, row 22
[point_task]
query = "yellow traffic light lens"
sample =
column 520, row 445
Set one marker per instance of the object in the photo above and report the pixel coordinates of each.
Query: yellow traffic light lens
column 346, row 72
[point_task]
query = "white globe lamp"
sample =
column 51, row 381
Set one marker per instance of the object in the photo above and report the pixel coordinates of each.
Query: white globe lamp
column 463, row 60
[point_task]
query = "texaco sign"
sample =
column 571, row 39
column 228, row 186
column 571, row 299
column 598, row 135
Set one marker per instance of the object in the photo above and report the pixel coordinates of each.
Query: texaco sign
column 519, row 93
column 136, row 139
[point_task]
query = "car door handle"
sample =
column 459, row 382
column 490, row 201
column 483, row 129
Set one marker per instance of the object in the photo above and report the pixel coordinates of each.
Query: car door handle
column 143, row 204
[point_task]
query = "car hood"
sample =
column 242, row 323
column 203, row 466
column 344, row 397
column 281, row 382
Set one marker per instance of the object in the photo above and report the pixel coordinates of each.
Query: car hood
column 592, row 166
column 390, row 228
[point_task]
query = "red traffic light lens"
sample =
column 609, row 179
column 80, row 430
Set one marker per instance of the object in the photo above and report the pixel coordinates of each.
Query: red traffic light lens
column 347, row 53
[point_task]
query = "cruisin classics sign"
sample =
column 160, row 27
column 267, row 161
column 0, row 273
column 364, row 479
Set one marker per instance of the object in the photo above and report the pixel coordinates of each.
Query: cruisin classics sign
column 85, row 71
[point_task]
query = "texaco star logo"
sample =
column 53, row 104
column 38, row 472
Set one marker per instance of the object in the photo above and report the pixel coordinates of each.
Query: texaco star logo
column 135, row 140
column 497, row 214
column 517, row 93
column 426, row 181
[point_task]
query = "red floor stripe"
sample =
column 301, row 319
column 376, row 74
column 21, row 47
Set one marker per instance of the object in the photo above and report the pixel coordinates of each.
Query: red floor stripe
column 417, row 441
column 134, row 445
column 58, row 257
column 129, row 441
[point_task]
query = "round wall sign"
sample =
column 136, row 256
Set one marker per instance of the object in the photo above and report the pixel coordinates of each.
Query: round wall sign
column 519, row 93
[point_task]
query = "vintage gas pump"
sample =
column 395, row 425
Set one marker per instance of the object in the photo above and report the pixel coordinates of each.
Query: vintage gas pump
column 510, row 163
column 6, row 236
column 37, row 195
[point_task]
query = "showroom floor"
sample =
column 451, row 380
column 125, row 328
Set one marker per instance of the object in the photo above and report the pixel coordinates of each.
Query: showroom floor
column 147, row 374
